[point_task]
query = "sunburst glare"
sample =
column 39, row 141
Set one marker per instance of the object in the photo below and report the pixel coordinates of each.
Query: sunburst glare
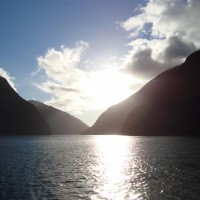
column 109, row 86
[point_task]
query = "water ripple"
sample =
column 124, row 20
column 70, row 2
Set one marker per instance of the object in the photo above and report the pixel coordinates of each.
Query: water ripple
column 99, row 167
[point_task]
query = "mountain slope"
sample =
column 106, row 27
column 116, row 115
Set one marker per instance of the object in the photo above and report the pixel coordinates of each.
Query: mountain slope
column 167, row 105
column 61, row 123
column 17, row 116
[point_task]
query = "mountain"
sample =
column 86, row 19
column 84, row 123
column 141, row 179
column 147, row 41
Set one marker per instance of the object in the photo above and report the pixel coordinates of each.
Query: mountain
column 17, row 116
column 167, row 105
column 61, row 123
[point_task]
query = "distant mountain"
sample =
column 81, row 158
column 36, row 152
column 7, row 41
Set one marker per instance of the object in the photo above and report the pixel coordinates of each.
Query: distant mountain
column 17, row 116
column 167, row 105
column 61, row 123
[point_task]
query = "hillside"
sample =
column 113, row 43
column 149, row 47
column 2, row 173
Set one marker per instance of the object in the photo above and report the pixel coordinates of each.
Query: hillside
column 17, row 116
column 167, row 105
column 60, row 123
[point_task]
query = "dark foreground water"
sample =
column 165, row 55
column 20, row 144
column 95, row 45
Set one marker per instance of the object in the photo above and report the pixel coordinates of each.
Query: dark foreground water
column 99, row 167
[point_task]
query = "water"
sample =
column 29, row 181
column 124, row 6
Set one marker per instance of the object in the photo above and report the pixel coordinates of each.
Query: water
column 99, row 167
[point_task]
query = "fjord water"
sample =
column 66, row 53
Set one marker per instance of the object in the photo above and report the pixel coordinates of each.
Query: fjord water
column 99, row 167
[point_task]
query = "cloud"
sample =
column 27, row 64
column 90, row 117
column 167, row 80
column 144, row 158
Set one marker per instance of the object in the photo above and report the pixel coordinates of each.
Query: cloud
column 141, row 64
column 76, row 89
column 60, row 66
column 9, row 78
column 63, row 78
column 163, row 34
column 177, row 48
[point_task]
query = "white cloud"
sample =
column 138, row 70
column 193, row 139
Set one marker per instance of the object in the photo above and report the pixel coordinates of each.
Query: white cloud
column 163, row 34
column 61, row 65
column 9, row 78
column 76, row 89
column 63, row 76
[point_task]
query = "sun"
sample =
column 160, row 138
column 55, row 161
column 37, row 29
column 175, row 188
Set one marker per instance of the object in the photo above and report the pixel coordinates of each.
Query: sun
column 110, row 86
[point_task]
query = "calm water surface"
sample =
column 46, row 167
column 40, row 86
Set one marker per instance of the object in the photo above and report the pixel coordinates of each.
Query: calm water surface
column 99, row 167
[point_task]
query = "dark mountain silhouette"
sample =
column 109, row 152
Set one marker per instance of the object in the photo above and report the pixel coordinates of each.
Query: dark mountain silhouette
column 61, row 123
column 167, row 105
column 17, row 116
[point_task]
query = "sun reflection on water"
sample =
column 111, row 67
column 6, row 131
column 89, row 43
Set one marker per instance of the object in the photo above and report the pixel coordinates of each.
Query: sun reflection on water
column 114, row 155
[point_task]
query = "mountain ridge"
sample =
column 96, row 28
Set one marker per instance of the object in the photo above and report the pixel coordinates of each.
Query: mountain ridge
column 17, row 116
column 162, row 99
column 60, row 122
column 21, row 117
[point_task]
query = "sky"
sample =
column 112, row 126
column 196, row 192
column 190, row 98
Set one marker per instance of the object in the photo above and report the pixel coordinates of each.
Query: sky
column 82, row 56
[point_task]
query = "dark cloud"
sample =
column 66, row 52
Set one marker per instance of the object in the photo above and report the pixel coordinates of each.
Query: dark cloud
column 61, row 88
column 142, row 64
column 177, row 48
